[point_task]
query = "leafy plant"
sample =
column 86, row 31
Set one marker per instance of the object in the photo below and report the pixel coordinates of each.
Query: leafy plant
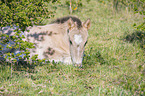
column 20, row 14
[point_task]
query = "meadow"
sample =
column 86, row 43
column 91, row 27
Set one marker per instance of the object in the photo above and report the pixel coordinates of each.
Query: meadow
column 113, row 65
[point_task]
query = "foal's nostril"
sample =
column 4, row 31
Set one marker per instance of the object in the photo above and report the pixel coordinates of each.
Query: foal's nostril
column 78, row 65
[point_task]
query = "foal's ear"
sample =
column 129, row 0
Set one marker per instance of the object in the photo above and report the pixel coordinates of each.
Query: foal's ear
column 71, row 24
column 87, row 23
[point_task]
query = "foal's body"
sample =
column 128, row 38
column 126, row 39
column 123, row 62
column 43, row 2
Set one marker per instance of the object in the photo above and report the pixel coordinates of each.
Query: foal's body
column 64, row 40
column 51, row 44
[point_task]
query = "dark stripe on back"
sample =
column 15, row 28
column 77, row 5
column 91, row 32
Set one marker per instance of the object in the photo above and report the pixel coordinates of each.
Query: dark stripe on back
column 64, row 19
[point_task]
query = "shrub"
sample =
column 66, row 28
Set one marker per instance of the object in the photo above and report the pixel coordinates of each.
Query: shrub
column 19, row 14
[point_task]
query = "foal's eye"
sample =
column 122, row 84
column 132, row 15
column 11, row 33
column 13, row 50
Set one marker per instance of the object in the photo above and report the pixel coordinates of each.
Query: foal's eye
column 85, row 43
column 70, row 42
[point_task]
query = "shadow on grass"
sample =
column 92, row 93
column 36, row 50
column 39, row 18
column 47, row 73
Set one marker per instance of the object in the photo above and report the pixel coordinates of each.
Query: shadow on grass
column 25, row 66
column 19, row 66
column 137, row 36
column 92, row 57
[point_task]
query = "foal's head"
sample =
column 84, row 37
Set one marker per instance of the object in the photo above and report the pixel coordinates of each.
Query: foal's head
column 78, row 34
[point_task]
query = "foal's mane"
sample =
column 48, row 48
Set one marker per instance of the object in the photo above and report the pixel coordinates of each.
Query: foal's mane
column 64, row 19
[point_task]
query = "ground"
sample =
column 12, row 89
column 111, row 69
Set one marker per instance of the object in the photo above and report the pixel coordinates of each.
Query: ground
column 113, row 63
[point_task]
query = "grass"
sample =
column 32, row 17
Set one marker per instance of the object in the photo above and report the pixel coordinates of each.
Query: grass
column 113, row 65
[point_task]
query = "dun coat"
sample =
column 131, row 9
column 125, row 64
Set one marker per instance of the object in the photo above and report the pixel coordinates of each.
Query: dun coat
column 63, row 40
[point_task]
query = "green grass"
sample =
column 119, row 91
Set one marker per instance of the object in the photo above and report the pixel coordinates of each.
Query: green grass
column 114, row 62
